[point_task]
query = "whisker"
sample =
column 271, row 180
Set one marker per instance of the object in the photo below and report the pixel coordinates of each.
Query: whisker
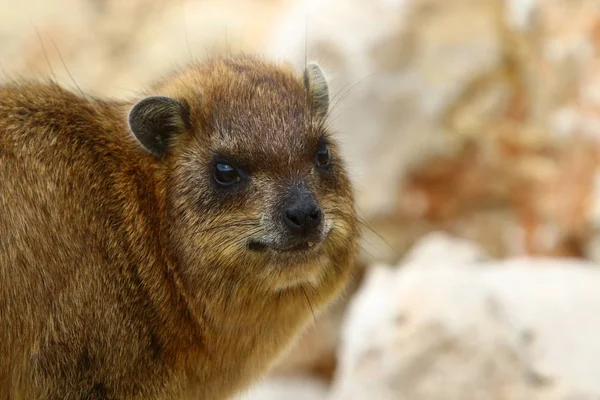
column 343, row 93
column 227, row 52
column 309, row 304
column 370, row 254
column 370, row 228
column 45, row 54
column 339, row 92
column 306, row 42
column 3, row 70
column 240, row 239
column 67, row 68
column 362, row 222
column 185, row 30
column 247, row 235
column 242, row 223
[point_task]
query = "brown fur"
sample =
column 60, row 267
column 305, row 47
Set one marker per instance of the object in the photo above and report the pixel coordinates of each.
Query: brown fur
column 126, row 275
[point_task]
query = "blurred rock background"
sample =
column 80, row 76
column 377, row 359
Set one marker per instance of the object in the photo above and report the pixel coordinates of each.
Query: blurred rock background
column 473, row 132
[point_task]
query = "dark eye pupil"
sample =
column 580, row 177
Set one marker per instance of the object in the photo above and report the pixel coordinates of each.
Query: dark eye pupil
column 323, row 157
column 225, row 174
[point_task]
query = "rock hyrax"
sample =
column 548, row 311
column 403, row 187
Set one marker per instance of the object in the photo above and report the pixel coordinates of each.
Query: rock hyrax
column 169, row 247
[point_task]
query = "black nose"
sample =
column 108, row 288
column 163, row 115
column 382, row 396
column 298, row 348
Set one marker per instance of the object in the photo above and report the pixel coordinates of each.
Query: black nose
column 303, row 217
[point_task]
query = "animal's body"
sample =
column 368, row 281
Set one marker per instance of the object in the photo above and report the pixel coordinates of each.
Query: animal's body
column 169, row 247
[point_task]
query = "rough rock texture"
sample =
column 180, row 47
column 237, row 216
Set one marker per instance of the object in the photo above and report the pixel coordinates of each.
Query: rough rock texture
column 519, row 329
column 480, row 117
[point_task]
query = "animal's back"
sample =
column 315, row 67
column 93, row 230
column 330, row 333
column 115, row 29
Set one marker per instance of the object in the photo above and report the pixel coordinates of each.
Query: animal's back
column 62, row 162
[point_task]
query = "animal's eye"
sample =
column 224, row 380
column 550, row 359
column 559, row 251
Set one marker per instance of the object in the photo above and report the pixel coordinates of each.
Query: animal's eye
column 323, row 156
column 225, row 174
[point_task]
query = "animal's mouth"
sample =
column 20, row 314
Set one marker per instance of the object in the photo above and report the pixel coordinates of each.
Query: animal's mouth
column 295, row 247
column 290, row 246
column 257, row 245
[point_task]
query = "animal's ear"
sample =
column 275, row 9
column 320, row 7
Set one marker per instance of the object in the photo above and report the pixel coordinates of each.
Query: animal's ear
column 316, row 83
column 155, row 120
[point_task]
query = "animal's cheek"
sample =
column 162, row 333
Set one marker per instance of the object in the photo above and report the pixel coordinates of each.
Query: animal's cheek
column 335, row 205
column 341, row 232
column 341, row 217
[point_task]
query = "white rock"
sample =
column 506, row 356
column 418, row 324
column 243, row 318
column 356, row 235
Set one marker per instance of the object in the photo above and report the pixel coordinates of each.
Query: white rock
column 519, row 13
column 516, row 330
column 443, row 250
column 297, row 388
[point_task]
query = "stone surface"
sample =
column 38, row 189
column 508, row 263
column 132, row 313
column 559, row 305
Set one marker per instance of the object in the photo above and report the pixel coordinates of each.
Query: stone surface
column 438, row 249
column 516, row 329
column 298, row 388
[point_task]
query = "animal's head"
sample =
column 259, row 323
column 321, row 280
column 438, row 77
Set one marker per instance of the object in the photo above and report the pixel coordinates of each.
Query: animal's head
column 258, row 193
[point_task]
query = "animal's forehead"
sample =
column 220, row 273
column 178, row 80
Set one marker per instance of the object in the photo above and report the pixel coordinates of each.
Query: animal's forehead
column 257, row 99
column 263, row 121
column 266, row 140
